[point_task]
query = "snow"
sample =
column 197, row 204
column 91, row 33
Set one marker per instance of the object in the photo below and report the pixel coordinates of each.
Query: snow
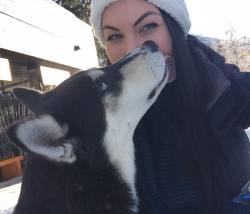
column 9, row 193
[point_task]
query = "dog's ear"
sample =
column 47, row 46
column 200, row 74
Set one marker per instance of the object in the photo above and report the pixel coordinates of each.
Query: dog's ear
column 29, row 97
column 43, row 136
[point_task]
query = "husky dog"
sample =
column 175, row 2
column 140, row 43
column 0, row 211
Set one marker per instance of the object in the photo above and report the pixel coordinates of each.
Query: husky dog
column 80, row 152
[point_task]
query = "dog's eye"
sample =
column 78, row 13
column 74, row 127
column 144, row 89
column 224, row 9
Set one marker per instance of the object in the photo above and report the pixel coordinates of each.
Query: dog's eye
column 101, row 86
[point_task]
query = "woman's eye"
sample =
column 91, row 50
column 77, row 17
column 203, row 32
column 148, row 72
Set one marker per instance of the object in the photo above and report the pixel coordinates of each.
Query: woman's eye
column 148, row 27
column 114, row 37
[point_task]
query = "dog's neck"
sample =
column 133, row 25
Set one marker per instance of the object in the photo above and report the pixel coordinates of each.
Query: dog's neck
column 118, row 141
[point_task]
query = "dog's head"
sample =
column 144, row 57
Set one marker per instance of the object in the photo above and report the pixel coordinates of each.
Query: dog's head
column 74, row 116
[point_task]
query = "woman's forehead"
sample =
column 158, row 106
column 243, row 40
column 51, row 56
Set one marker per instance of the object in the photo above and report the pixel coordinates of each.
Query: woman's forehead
column 126, row 11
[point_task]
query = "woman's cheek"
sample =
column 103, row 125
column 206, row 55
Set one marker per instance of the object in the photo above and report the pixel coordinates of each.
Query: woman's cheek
column 113, row 54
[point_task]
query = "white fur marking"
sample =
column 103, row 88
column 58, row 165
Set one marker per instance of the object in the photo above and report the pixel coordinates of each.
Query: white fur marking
column 38, row 136
column 95, row 74
column 119, row 145
column 141, row 76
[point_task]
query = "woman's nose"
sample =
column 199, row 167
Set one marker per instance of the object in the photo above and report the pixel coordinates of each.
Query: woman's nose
column 131, row 44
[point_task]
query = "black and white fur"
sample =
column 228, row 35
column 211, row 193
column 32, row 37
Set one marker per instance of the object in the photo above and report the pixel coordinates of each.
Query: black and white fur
column 80, row 148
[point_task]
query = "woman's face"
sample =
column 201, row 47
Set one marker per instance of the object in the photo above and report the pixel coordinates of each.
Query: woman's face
column 127, row 24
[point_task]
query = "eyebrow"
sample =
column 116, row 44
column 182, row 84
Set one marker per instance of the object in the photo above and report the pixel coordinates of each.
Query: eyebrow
column 144, row 16
column 106, row 27
column 136, row 22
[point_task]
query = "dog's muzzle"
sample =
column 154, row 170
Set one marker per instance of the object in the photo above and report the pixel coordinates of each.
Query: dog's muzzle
column 150, row 45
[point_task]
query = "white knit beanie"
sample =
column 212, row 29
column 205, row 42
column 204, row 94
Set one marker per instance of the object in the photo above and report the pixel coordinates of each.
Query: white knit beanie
column 175, row 8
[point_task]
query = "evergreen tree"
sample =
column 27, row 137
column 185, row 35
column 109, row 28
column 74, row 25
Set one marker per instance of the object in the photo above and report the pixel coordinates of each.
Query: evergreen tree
column 80, row 8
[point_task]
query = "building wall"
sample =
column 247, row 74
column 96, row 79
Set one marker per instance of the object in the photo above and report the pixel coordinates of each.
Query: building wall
column 43, row 29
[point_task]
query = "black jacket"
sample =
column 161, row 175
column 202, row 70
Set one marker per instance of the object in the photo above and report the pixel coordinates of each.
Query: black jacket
column 228, row 110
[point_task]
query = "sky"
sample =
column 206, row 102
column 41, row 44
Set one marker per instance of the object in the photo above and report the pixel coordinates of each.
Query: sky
column 213, row 17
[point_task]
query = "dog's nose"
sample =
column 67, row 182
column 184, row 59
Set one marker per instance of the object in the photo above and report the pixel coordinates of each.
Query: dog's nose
column 152, row 46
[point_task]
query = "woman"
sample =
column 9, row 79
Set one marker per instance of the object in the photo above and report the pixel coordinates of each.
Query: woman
column 191, row 149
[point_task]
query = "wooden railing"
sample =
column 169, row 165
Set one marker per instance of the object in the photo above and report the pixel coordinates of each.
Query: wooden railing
column 11, row 168
column 11, row 110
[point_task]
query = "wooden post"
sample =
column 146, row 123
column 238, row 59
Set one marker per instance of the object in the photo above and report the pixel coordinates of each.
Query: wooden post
column 2, row 87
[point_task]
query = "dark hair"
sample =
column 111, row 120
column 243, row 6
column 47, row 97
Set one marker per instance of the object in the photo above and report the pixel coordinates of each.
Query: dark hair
column 196, row 142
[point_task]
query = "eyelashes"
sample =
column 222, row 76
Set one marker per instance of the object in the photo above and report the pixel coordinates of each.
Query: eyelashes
column 114, row 37
column 147, row 28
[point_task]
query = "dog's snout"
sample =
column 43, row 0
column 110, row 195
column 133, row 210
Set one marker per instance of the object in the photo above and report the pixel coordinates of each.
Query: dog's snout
column 152, row 46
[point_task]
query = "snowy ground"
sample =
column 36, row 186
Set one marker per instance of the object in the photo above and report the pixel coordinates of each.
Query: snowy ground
column 9, row 193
